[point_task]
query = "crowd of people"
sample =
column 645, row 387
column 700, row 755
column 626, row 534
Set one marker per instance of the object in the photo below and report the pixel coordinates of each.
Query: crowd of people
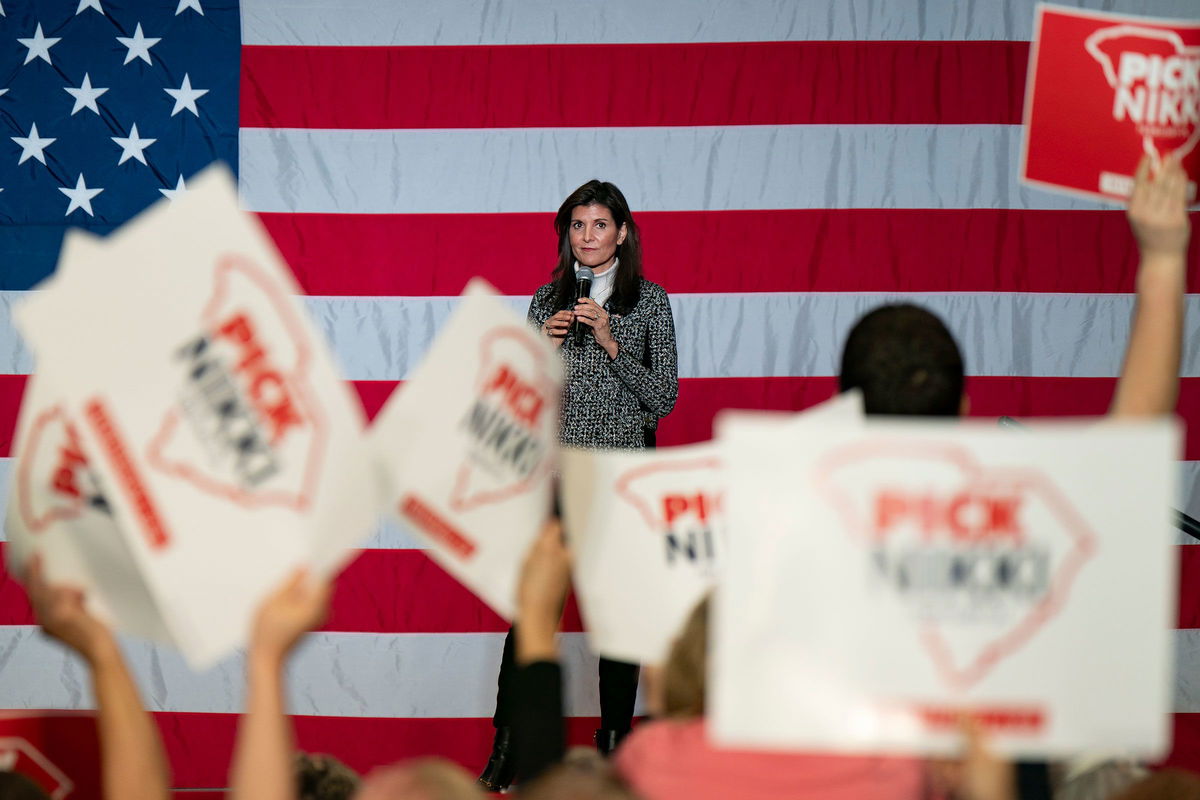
column 902, row 359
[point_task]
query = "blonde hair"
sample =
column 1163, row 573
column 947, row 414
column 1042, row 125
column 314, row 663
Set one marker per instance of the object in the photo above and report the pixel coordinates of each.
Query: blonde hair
column 684, row 672
column 420, row 779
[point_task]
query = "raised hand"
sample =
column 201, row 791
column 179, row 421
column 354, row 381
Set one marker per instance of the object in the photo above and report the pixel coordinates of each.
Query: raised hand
column 1158, row 209
column 541, row 591
column 589, row 313
column 62, row 613
column 295, row 608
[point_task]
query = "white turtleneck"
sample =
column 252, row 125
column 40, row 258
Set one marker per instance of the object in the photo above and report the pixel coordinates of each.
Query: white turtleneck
column 602, row 284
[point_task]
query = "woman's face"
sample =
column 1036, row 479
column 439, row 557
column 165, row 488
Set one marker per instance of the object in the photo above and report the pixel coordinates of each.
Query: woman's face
column 594, row 236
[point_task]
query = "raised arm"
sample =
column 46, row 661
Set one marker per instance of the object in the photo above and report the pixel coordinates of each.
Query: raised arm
column 1149, row 382
column 538, row 727
column 132, row 761
column 263, row 761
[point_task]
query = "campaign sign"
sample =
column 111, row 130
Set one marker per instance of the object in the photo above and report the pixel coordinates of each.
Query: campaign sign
column 468, row 444
column 1103, row 90
column 59, row 751
column 880, row 582
column 647, row 531
column 210, row 409
column 58, row 508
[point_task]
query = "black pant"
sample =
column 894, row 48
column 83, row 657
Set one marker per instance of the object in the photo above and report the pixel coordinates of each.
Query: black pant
column 618, row 690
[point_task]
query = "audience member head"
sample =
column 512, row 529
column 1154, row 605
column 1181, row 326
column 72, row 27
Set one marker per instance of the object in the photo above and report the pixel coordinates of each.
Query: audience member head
column 683, row 672
column 1169, row 784
column 420, row 779
column 629, row 252
column 583, row 775
column 15, row 786
column 323, row 777
column 905, row 362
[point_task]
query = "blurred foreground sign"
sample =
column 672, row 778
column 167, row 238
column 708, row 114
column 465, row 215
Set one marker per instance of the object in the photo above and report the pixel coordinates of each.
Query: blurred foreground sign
column 884, row 580
column 469, row 442
column 647, row 530
column 187, row 439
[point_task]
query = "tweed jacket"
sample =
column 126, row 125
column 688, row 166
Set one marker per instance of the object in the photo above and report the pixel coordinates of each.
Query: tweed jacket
column 612, row 403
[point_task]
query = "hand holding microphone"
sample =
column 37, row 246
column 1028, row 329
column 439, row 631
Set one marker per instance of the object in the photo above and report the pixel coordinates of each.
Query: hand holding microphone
column 583, row 290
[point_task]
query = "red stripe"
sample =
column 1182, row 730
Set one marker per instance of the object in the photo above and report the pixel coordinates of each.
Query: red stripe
column 701, row 398
column 381, row 591
column 403, row 591
column 554, row 86
column 12, row 387
column 1185, row 752
column 849, row 250
column 1189, row 587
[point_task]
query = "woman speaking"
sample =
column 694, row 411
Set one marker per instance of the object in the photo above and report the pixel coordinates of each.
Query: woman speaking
column 617, row 342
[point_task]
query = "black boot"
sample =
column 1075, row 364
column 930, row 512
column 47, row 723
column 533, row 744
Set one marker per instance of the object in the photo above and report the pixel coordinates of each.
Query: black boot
column 607, row 740
column 502, row 765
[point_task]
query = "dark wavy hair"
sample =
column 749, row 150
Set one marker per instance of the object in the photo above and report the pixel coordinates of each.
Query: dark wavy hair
column 627, row 285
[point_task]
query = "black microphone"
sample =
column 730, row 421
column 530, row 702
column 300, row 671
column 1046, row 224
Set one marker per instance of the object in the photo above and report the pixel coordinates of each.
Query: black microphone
column 583, row 288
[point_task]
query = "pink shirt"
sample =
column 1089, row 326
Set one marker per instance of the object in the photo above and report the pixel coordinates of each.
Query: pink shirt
column 674, row 759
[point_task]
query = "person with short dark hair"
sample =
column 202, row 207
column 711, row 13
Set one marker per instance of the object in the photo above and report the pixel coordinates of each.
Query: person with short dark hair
column 905, row 362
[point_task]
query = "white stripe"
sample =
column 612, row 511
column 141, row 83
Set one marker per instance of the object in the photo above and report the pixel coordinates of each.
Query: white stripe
column 356, row 675
column 763, row 335
column 1187, row 671
column 393, row 535
column 466, row 22
column 1189, row 491
column 493, row 170
column 332, row 674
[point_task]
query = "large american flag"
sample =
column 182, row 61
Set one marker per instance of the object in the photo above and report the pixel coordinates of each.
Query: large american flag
column 791, row 163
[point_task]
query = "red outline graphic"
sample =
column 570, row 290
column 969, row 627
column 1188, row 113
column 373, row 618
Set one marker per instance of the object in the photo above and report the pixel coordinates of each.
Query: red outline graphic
column 624, row 491
column 18, row 744
column 297, row 388
column 25, row 479
column 1027, row 481
column 1092, row 45
column 422, row 515
column 457, row 500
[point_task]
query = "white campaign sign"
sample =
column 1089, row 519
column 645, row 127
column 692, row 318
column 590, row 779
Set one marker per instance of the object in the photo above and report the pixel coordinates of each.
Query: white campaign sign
column 469, row 443
column 58, row 509
column 230, row 448
column 884, row 579
column 647, row 531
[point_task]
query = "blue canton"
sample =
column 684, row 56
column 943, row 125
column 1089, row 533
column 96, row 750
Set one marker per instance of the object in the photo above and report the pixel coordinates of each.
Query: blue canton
column 118, row 130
